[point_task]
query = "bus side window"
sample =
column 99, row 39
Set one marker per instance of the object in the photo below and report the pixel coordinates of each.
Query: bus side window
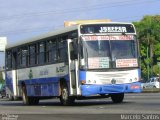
column 62, row 50
column 51, row 51
column 41, row 53
column 32, row 55
column 22, row 57
column 14, row 59
column 8, row 60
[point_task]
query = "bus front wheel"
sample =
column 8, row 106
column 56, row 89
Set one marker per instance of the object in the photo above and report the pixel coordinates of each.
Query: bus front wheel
column 65, row 98
column 117, row 97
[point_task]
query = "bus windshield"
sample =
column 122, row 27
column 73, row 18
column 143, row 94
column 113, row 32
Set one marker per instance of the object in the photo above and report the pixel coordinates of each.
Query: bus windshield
column 110, row 51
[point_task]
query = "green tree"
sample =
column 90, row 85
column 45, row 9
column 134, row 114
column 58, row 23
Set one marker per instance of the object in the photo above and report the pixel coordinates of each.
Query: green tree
column 148, row 30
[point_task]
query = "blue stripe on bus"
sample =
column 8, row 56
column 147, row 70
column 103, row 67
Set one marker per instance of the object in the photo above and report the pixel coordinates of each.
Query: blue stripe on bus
column 43, row 86
column 48, row 89
column 88, row 90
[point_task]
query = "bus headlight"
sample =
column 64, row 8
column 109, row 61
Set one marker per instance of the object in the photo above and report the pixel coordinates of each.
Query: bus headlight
column 83, row 82
column 135, row 79
column 130, row 80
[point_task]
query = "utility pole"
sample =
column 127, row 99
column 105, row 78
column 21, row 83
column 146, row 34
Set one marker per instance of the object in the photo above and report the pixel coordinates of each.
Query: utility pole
column 149, row 50
column 148, row 70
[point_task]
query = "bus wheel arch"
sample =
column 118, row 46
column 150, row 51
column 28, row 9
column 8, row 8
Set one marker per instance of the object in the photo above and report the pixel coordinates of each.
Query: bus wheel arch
column 65, row 98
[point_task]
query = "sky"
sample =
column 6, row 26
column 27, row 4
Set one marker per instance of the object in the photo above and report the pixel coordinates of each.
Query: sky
column 22, row 19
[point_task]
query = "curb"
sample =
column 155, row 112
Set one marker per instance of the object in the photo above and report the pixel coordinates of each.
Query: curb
column 151, row 90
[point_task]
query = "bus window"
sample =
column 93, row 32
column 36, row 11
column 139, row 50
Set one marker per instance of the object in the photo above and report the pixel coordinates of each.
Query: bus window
column 14, row 58
column 23, row 57
column 51, row 51
column 32, row 55
column 62, row 50
column 41, row 53
column 123, row 49
column 9, row 59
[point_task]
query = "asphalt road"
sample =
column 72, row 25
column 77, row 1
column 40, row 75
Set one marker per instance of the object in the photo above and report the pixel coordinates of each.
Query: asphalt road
column 139, row 105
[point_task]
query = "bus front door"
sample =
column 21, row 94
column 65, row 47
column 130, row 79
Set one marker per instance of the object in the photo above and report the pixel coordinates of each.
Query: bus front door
column 72, row 68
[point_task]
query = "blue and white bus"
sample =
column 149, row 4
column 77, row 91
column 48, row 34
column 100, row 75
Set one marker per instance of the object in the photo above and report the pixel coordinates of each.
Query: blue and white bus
column 82, row 61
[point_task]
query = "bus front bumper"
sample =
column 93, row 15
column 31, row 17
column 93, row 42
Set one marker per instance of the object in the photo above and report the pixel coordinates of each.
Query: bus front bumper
column 88, row 90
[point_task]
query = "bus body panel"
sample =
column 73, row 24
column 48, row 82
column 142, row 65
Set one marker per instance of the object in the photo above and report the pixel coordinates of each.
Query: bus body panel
column 44, row 80
column 11, row 83
column 88, row 90
column 37, row 87
column 39, row 81
column 110, row 82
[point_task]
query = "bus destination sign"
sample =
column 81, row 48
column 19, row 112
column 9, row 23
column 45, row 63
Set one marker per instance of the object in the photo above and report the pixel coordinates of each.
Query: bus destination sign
column 113, row 29
column 107, row 28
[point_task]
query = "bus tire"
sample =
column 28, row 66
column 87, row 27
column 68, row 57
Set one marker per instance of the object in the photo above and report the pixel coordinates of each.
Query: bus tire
column 10, row 97
column 26, row 100
column 35, row 101
column 117, row 97
column 65, row 98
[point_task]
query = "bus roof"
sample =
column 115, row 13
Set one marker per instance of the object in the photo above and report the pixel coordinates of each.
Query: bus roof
column 55, row 32
column 40, row 37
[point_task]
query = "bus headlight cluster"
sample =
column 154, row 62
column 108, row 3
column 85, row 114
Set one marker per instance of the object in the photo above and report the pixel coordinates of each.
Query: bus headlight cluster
column 130, row 80
column 136, row 79
column 91, row 81
column 133, row 79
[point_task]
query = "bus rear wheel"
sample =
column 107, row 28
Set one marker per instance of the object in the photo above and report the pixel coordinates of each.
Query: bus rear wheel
column 65, row 98
column 34, row 101
column 10, row 97
column 28, row 100
column 117, row 97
